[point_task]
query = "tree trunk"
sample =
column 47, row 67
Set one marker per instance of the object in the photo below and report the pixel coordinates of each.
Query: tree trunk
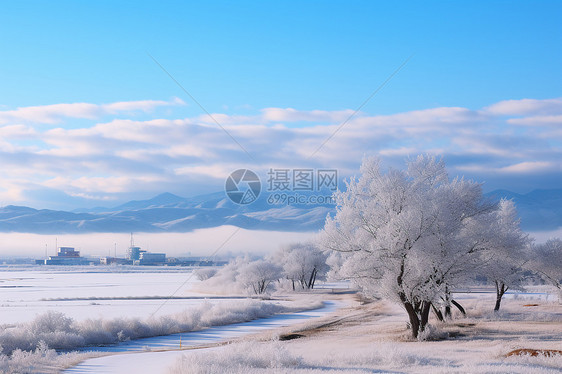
column 414, row 320
column 459, row 306
column 311, row 280
column 447, row 303
column 425, row 307
column 438, row 313
column 498, row 302
column 500, row 291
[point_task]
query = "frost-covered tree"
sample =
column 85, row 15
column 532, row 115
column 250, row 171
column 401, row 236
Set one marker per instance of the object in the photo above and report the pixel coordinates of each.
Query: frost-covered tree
column 410, row 235
column 243, row 274
column 258, row 275
column 504, row 263
column 546, row 260
column 303, row 263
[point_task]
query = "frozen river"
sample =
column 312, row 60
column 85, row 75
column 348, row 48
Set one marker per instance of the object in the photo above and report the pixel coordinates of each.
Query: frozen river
column 138, row 360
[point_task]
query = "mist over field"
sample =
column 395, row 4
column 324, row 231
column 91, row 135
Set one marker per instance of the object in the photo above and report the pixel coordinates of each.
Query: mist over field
column 197, row 243
column 202, row 242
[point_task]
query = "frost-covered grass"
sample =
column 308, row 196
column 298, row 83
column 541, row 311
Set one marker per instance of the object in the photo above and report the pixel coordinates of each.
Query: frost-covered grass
column 57, row 331
column 275, row 357
column 540, row 305
column 41, row 360
column 238, row 358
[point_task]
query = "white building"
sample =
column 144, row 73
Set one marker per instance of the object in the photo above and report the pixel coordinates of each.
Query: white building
column 148, row 258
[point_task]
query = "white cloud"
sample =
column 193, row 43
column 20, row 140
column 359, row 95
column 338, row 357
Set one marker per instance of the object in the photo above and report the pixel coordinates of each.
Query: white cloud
column 531, row 167
column 10, row 193
column 293, row 115
column 403, row 151
column 99, row 187
column 123, row 156
column 211, row 171
column 56, row 112
column 142, row 105
column 17, row 131
column 554, row 120
column 526, row 107
column 525, row 168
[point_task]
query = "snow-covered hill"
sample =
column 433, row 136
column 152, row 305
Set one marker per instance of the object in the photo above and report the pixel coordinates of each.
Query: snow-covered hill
column 166, row 213
column 539, row 210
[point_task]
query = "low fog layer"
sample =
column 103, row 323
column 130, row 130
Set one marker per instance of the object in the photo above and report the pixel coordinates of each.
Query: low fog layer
column 202, row 242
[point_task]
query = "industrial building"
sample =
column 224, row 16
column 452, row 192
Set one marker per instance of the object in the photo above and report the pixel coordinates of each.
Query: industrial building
column 68, row 256
column 134, row 253
column 115, row 260
column 148, row 258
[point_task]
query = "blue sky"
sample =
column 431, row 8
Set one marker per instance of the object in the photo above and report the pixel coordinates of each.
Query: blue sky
column 100, row 123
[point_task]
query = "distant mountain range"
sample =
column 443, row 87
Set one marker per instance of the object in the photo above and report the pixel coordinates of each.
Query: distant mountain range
column 540, row 210
column 166, row 213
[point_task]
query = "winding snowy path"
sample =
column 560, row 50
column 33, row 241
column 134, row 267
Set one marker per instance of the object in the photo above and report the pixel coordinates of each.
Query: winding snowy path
column 138, row 357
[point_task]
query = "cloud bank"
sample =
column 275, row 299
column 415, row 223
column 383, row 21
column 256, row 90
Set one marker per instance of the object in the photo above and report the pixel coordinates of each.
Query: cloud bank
column 47, row 161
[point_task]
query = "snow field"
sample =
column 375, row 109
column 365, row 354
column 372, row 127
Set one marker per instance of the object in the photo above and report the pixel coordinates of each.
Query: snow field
column 92, row 292
column 379, row 342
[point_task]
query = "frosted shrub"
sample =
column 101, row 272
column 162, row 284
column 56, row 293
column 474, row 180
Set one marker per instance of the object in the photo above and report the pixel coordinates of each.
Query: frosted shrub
column 224, row 280
column 244, row 276
column 57, row 331
column 42, row 360
column 431, row 333
column 51, row 321
column 204, row 274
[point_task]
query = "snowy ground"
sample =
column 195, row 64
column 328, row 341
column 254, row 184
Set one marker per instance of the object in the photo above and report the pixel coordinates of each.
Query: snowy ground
column 73, row 307
column 94, row 292
column 373, row 338
column 355, row 339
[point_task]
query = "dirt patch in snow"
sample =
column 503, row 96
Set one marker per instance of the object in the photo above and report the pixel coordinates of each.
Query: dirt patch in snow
column 534, row 352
